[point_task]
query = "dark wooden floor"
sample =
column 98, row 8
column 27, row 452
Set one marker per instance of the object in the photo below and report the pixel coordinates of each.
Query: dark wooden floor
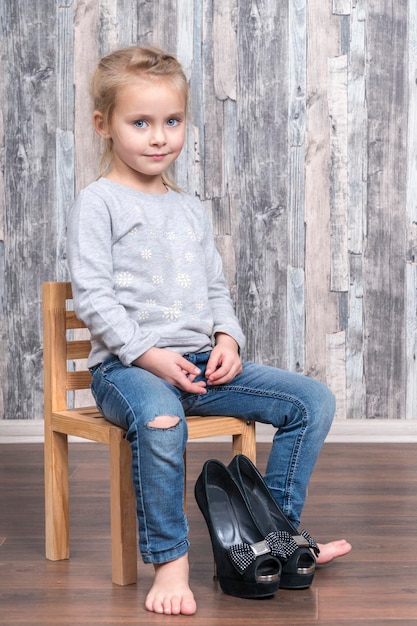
column 364, row 492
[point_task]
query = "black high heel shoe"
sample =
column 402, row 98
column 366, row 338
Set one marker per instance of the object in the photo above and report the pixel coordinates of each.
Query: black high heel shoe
column 246, row 564
column 299, row 568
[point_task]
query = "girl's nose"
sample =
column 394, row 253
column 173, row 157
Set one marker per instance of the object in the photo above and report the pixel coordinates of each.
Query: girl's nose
column 158, row 136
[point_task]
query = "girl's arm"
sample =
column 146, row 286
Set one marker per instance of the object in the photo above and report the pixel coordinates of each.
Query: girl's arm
column 224, row 317
column 89, row 250
column 225, row 362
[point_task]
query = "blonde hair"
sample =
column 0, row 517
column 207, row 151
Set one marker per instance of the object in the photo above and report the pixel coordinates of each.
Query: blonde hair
column 117, row 70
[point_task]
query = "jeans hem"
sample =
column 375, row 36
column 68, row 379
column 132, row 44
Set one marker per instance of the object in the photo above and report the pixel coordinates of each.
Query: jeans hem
column 167, row 555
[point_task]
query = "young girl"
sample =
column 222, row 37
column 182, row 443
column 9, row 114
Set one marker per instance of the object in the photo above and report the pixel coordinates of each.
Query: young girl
column 148, row 283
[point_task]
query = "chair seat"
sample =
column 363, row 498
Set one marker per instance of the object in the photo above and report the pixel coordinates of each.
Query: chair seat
column 89, row 423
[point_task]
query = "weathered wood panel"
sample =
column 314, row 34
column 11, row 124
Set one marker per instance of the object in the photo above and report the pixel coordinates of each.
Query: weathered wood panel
column 411, row 220
column 262, row 167
column 302, row 144
column 297, row 86
column 323, row 32
column 30, row 222
column 385, row 253
column 356, row 210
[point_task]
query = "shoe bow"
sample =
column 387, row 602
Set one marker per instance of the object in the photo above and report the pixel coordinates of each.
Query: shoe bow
column 278, row 543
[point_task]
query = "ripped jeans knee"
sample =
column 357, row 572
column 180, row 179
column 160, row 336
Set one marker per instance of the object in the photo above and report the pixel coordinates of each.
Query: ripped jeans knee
column 164, row 422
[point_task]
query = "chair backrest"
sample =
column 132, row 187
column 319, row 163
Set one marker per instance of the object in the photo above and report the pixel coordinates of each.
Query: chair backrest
column 61, row 348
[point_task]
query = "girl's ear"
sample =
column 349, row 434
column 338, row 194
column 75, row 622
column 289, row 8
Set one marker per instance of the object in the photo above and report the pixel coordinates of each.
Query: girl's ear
column 100, row 126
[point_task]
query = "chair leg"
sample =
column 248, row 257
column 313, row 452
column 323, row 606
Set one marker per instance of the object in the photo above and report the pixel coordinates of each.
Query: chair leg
column 56, row 495
column 245, row 443
column 123, row 511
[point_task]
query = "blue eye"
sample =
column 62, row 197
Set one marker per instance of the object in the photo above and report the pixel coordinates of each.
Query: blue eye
column 140, row 124
column 173, row 122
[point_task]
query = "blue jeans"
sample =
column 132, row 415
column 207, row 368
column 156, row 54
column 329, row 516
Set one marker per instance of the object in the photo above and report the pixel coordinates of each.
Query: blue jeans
column 300, row 408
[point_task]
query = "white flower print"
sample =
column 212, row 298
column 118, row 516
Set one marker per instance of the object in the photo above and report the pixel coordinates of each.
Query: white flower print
column 199, row 305
column 173, row 313
column 146, row 253
column 191, row 234
column 184, row 280
column 189, row 257
column 170, row 235
column 133, row 231
column 143, row 315
column 150, row 302
column 138, row 208
column 124, row 279
column 157, row 279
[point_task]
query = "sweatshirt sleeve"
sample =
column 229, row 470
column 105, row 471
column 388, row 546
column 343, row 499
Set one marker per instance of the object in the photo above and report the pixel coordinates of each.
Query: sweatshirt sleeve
column 89, row 250
column 224, row 317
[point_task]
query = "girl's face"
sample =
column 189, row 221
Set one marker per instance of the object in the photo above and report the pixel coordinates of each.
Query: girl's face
column 147, row 129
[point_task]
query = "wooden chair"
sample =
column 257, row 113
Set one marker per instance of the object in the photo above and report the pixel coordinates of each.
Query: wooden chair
column 60, row 353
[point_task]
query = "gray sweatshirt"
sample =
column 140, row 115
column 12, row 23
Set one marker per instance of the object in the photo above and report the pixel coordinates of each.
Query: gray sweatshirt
column 145, row 272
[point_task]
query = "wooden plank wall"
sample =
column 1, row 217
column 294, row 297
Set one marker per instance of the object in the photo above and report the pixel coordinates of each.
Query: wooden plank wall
column 302, row 144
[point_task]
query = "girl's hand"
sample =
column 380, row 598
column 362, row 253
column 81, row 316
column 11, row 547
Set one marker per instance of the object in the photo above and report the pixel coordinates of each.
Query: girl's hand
column 224, row 362
column 173, row 368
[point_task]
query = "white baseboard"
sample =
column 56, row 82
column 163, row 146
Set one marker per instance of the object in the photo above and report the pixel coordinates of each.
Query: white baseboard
column 370, row 431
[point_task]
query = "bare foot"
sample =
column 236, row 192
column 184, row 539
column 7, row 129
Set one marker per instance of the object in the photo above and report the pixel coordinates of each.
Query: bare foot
column 332, row 550
column 170, row 592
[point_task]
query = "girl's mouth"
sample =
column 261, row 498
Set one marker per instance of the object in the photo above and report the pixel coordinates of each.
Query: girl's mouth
column 156, row 157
